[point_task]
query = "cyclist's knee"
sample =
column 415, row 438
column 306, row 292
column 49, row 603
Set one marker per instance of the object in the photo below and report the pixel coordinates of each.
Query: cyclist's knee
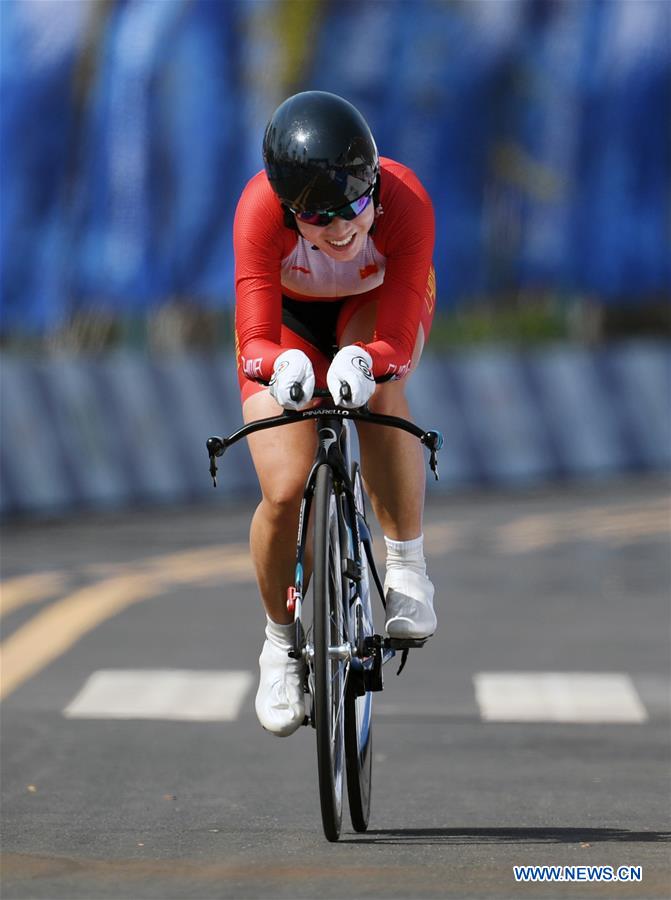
column 281, row 503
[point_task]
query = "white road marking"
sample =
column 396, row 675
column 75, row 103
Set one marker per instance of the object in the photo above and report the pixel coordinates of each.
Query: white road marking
column 558, row 697
column 168, row 694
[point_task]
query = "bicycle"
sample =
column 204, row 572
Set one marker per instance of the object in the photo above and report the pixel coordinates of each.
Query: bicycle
column 344, row 657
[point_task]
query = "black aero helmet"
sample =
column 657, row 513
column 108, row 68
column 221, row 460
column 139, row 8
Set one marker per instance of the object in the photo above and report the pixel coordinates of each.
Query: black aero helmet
column 319, row 152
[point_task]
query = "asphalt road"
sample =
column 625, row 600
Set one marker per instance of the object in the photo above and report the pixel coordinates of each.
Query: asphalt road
column 562, row 595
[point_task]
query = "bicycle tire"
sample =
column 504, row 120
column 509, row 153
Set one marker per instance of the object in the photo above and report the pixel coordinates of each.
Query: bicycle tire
column 329, row 672
column 358, row 707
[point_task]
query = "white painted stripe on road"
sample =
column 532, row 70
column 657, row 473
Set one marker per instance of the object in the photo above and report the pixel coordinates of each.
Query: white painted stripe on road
column 168, row 694
column 558, row 697
column 54, row 630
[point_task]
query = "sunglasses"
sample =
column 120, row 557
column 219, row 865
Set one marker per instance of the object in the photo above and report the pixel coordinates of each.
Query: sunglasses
column 348, row 212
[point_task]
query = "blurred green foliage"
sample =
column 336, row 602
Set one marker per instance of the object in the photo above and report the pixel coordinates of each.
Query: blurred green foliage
column 480, row 325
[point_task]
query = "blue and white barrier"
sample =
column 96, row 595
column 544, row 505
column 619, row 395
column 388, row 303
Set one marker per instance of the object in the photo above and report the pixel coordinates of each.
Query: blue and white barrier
column 127, row 430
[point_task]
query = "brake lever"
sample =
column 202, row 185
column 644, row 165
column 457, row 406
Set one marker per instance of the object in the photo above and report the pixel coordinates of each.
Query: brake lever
column 296, row 391
column 434, row 441
column 215, row 447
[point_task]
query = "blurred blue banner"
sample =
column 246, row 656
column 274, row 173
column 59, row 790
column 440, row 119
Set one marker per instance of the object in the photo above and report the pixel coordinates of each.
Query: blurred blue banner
column 541, row 129
column 129, row 127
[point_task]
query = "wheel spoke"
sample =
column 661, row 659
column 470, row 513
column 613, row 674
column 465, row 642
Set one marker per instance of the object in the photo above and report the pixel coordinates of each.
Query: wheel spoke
column 339, row 711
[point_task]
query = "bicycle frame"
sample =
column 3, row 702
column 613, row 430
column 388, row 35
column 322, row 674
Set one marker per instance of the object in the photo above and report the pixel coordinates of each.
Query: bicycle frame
column 343, row 654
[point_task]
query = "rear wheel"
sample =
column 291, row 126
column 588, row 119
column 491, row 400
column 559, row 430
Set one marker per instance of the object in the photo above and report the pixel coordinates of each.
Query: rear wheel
column 329, row 666
column 359, row 753
column 358, row 705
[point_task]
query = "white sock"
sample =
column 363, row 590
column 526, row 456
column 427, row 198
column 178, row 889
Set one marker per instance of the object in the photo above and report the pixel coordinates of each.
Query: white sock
column 281, row 636
column 406, row 554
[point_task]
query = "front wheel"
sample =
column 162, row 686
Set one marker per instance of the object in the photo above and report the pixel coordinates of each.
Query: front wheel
column 329, row 665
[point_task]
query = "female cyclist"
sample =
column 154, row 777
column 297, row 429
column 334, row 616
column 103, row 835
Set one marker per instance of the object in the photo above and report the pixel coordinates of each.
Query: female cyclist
column 334, row 282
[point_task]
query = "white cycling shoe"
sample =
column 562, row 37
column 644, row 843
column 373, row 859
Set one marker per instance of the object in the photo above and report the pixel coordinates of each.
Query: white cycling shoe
column 409, row 598
column 280, row 701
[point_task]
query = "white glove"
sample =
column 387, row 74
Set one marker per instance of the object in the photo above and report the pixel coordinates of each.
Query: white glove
column 354, row 366
column 292, row 367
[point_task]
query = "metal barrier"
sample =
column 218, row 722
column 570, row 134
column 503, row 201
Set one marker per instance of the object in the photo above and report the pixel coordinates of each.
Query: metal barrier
column 84, row 433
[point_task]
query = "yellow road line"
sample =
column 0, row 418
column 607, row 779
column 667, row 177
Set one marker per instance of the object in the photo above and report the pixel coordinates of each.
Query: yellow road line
column 184, row 566
column 441, row 538
column 53, row 631
column 26, row 589
column 201, row 565
column 612, row 525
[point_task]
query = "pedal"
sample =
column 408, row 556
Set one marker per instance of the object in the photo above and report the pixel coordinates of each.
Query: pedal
column 372, row 643
column 373, row 680
column 404, row 643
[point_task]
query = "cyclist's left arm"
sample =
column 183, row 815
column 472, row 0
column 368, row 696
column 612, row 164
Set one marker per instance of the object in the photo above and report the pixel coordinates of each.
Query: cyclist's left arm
column 406, row 237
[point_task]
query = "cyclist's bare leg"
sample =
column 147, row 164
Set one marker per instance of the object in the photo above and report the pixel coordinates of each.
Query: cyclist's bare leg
column 282, row 458
column 392, row 461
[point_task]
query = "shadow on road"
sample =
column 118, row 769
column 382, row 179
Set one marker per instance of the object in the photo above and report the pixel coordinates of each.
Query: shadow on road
column 475, row 836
